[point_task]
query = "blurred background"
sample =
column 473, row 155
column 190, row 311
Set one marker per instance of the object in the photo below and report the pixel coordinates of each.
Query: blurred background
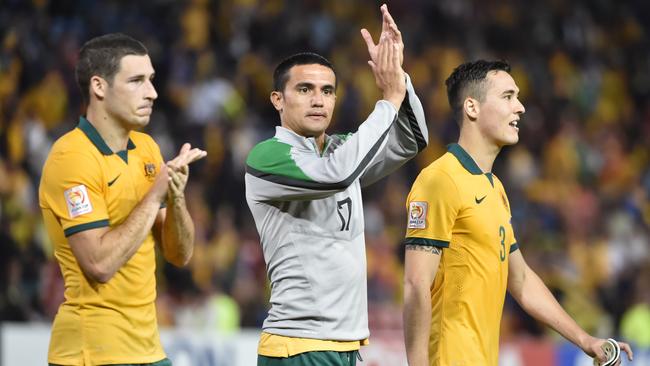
column 578, row 181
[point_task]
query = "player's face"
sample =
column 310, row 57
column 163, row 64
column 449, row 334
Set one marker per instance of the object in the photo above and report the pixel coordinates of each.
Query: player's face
column 307, row 102
column 129, row 98
column 501, row 109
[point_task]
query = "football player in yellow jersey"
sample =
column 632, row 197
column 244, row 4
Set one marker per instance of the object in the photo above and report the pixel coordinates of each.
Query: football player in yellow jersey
column 104, row 194
column 461, row 251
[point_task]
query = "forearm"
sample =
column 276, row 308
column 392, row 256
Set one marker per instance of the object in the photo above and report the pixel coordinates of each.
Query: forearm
column 117, row 245
column 417, row 323
column 177, row 233
column 536, row 299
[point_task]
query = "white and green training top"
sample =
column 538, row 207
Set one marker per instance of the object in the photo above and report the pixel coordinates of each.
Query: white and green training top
column 308, row 211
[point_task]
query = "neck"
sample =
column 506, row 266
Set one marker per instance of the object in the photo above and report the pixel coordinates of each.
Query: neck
column 320, row 142
column 482, row 152
column 111, row 131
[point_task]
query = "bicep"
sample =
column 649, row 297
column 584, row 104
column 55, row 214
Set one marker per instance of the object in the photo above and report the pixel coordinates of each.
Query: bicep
column 517, row 268
column 84, row 246
column 421, row 264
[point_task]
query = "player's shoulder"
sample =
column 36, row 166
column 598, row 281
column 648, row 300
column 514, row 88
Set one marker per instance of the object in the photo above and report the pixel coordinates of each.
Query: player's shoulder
column 444, row 166
column 437, row 175
column 268, row 152
column 73, row 145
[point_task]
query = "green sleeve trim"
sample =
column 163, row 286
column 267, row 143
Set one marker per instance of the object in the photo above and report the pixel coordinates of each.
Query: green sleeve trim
column 274, row 157
column 514, row 247
column 83, row 227
column 426, row 242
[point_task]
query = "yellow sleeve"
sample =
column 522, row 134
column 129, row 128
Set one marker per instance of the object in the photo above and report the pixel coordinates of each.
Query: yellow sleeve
column 432, row 205
column 73, row 188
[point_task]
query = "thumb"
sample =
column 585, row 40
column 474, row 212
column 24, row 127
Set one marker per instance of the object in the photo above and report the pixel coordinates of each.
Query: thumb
column 185, row 148
column 368, row 38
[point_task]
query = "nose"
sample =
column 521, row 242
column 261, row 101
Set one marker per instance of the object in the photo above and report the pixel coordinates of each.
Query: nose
column 150, row 92
column 519, row 108
column 317, row 99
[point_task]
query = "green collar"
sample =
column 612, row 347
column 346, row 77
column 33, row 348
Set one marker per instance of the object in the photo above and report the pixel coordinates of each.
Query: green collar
column 97, row 140
column 467, row 162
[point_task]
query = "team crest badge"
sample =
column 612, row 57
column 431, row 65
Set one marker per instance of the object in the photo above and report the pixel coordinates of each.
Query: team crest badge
column 78, row 201
column 417, row 215
column 150, row 171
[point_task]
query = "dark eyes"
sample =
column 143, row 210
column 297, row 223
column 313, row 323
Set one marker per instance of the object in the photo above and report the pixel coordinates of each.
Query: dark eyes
column 305, row 90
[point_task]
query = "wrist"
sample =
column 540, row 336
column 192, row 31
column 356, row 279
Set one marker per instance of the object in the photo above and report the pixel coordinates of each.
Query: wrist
column 396, row 101
column 176, row 199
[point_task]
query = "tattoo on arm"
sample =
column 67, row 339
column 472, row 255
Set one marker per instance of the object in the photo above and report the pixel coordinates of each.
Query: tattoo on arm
column 424, row 248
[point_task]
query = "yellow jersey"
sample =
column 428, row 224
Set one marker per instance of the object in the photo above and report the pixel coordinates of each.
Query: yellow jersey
column 85, row 185
column 273, row 345
column 455, row 206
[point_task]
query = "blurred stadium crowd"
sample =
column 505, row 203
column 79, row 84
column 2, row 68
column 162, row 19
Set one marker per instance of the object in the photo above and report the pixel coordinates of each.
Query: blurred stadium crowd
column 578, row 181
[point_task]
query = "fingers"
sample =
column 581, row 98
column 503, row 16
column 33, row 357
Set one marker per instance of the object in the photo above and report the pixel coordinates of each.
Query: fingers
column 389, row 25
column 626, row 347
column 370, row 43
column 185, row 148
column 186, row 155
column 177, row 182
column 600, row 354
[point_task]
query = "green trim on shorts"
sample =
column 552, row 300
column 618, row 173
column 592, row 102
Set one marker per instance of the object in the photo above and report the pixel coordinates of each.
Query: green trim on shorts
column 163, row 362
column 314, row 358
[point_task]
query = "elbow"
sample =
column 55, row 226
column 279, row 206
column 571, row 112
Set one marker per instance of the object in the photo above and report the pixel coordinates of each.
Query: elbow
column 180, row 260
column 415, row 287
column 98, row 273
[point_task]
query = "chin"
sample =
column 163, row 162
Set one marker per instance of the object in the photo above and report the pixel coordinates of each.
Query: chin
column 140, row 122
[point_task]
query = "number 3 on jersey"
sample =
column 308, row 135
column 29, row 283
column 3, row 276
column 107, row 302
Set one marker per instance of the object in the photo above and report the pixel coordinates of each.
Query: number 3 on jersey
column 502, row 251
column 345, row 224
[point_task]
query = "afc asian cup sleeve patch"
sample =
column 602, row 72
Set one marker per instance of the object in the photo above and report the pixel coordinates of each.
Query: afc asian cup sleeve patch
column 417, row 215
column 78, row 201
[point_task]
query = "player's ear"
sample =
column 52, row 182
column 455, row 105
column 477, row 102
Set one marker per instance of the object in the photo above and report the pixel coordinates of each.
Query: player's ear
column 98, row 86
column 277, row 99
column 471, row 108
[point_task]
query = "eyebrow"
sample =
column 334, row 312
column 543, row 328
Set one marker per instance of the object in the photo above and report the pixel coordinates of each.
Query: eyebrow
column 141, row 76
column 312, row 85
column 510, row 91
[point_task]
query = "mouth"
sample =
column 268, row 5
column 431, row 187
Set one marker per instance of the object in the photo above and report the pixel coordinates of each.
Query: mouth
column 317, row 115
column 146, row 108
column 514, row 124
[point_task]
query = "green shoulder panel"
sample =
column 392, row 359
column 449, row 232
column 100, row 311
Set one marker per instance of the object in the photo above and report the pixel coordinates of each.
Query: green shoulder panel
column 344, row 136
column 274, row 157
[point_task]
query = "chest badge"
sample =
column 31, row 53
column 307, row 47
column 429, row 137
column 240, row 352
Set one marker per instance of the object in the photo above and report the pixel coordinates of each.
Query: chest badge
column 150, row 171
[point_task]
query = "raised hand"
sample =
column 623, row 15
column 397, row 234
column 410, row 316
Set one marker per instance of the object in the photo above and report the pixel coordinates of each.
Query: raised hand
column 388, row 72
column 388, row 29
column 178, row 169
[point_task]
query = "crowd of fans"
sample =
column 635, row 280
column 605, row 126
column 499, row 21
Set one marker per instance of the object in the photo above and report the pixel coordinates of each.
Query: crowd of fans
column 578, row 181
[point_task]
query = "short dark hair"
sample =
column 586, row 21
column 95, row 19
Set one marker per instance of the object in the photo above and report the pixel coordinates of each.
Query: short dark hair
column 469, row 79
column 101, row 56
column 281, row 73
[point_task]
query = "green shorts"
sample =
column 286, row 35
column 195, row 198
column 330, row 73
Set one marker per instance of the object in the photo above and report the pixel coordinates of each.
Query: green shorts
column 316, row 358
column 163, row 362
